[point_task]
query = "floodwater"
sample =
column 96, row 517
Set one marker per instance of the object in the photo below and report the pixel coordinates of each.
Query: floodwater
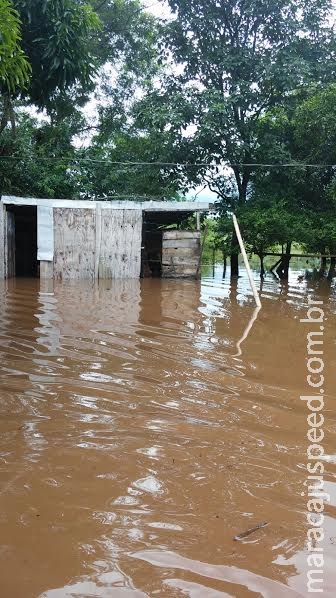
column 138, row 437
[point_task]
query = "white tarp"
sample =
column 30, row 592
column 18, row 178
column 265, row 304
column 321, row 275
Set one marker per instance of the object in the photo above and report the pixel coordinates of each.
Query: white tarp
column 45, row 233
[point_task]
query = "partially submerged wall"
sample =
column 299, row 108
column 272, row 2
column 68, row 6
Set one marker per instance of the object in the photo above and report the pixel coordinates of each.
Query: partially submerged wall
column 74, row 243
column 100, row 243
column 181, row 254
column 120, row 243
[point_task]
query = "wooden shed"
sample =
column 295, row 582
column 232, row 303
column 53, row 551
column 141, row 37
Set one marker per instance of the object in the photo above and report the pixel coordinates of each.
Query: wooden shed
column 68, row 239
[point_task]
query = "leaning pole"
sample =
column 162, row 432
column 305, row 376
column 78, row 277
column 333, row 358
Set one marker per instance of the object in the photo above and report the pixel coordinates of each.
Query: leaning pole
column 246, row 262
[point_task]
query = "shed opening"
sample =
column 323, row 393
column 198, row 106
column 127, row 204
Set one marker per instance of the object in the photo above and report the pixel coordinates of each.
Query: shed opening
column 151, row 248
column 170, row 249
column 21, row 241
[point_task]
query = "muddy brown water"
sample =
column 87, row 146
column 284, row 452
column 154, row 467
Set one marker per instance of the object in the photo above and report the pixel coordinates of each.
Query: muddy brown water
column 137, row 440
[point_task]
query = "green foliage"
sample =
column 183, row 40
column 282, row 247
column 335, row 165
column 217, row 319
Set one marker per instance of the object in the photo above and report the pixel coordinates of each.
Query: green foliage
column 315, row 127
column 66, row 41
column 216, row 236
column 106, row 179
column 57, row 39
column 266, row 224
column 302, row 135
column 127, row 37
column 240, row 59
column 35, row 168
column 14, row 68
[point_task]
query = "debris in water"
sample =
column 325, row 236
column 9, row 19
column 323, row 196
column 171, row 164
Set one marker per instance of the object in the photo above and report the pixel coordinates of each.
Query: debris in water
column 250, row 531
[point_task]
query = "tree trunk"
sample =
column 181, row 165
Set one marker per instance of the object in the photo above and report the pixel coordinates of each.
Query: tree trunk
column 224, row 264
column 262, row 269
column 8, row 114
column 282, row 269
column 234, row 255
column 323, row 266
column 287, row 259
column 332, row 268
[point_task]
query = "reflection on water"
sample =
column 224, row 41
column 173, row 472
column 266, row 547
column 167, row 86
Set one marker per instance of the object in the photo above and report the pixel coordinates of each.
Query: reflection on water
column 146, row 423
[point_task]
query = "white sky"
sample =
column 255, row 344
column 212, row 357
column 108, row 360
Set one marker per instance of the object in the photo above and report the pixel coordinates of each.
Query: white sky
column 159, row 9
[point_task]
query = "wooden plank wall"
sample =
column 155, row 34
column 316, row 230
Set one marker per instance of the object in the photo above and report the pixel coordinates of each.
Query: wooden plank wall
column 181, row 253
column 74, row 243
column 120, row 243
column 104, row 243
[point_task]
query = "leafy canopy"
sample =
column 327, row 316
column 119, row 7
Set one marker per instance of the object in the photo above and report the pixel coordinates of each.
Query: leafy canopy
column 56, row 38
column 14, row 67
column 237, row 59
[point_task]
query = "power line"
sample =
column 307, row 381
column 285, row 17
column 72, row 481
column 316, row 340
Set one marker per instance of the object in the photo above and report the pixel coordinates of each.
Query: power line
column 209, row 165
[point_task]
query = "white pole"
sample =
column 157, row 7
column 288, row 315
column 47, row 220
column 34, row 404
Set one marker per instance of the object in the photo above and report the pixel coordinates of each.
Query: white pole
column 247, row 330
column 246, row 262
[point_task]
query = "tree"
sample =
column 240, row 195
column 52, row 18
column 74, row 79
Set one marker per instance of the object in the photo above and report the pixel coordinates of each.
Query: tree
column 40, row 160
column 239, row 59
column 297, row 201
column 14, row 67
column 314, row 139
column 121, row 156
column 129, row 44
column 315, row 127
column 51, row 42
column 266, row 223
column 57, row 38
column 68, row 43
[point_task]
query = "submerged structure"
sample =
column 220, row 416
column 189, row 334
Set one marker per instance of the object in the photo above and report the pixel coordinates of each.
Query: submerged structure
column 70, row 239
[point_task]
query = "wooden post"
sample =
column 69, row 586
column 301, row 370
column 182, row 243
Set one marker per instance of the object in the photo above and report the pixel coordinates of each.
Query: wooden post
column 47, row 284
column 98, row 240
column 9, row 244
column 246, row 262
column 45, row 241
column 201, row 252
column 46, row 270
column 2, row 241
column 198, row 221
